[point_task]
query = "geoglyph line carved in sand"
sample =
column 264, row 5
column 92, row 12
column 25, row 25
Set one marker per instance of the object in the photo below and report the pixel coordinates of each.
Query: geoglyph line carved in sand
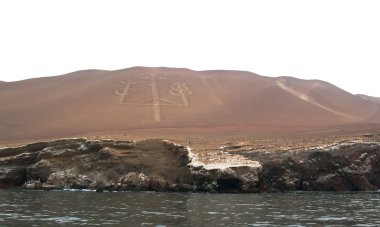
column 180, row 89
column 177, row 89
column 124, row 91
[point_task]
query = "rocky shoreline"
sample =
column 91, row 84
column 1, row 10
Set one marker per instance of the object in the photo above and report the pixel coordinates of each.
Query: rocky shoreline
column 160, row 165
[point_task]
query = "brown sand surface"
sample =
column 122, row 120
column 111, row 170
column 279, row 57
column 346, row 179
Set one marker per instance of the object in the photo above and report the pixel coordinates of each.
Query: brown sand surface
column 196, row 107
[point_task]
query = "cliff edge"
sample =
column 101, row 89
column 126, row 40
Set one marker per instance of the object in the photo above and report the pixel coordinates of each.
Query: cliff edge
column 161, row 165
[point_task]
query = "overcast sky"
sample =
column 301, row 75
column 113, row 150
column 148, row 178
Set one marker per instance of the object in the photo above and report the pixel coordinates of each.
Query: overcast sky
column 333, row 40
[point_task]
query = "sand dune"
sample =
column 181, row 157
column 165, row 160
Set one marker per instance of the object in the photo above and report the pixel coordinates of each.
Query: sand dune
column 142, row 98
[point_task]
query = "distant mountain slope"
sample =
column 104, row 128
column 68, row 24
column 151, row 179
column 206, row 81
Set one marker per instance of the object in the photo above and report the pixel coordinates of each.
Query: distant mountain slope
column 140, row 97
column 370, row 98
column 330, row 98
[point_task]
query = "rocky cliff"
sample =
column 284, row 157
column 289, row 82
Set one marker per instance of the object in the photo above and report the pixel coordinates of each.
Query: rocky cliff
column 159, row 165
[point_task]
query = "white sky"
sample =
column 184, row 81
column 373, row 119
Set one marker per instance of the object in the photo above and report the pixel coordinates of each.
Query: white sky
column 333, row 40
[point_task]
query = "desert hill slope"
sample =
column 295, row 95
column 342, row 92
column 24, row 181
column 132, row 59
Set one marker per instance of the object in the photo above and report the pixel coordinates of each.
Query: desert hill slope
column 370, row 98
column 142, row 98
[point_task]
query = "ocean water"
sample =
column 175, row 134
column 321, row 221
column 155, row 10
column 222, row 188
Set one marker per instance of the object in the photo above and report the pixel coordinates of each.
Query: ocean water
column 76, row 208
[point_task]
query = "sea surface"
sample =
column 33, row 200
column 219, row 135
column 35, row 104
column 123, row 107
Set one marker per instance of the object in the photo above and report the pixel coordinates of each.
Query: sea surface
column 75, row 208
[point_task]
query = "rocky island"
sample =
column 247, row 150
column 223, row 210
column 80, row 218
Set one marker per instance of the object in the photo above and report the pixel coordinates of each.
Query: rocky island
column 161, row 165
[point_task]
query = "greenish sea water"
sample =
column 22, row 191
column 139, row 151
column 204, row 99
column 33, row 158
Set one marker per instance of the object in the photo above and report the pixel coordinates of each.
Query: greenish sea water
column 76, row 208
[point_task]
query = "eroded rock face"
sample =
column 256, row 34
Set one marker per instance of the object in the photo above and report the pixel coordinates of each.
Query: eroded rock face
column 164, row 166
column 285, row 175
column 228, row 179
column 103, row 165
column 348, row 167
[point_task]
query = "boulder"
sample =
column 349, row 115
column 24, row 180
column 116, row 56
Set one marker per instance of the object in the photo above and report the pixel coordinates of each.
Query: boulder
column 40, row 170
column 62, row 179
column 135, row 181
column 330, row 182
column 33, row 184
column 82, row 182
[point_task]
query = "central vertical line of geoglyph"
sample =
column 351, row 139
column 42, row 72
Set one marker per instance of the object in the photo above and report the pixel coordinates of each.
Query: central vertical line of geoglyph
column 156, row 99
column 177, row 90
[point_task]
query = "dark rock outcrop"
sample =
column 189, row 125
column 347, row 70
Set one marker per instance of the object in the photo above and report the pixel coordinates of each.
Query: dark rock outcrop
column 158, row 165
column 226, row 179
column 100, row 165
column 344, row 167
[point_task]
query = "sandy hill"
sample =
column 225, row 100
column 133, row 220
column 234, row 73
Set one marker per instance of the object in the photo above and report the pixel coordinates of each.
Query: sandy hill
column 370, row 98
column 141, row 98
